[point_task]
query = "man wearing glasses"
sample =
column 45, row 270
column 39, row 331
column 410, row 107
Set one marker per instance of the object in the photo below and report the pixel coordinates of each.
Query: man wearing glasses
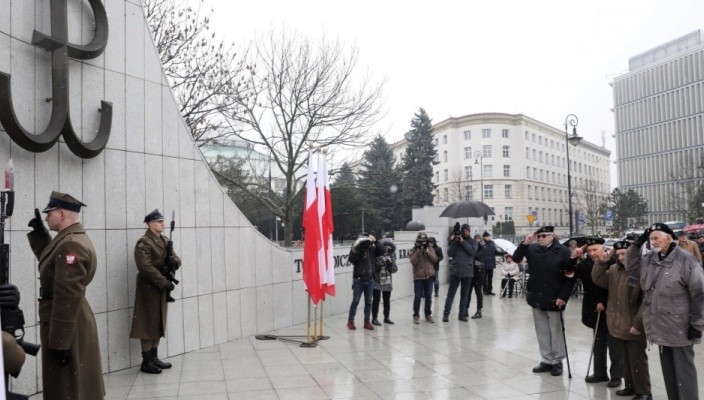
column 548, row 289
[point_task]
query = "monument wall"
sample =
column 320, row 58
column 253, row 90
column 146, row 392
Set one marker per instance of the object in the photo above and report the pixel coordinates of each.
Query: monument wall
column 234, row 282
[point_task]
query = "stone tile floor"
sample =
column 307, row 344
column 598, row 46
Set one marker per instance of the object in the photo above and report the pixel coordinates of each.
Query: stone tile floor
column 488, row 358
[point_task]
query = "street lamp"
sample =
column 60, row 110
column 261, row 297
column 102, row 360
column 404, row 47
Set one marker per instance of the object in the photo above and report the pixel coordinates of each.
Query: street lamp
column 479, row 160
column 570, row 120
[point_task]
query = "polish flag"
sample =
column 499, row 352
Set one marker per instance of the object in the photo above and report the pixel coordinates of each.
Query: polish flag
column 327, row 265
column 313, row 243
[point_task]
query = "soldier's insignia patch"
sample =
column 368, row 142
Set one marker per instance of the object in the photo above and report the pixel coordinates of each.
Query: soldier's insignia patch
column 70, row 258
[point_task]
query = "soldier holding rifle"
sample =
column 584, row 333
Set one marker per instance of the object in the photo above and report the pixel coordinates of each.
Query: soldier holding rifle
column 155, row 281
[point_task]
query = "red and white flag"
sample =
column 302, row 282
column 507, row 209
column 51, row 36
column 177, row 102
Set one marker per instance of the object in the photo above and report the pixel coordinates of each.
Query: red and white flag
column 318, row 266
column 327, row 265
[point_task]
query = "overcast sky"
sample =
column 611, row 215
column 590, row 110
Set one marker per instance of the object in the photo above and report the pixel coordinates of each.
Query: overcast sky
column 543, row 58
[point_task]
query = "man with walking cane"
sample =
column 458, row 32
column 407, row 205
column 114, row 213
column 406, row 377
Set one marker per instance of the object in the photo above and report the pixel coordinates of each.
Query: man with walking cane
column 624, row 318
column 594, row 304
column 547, row 292
column 673, row 306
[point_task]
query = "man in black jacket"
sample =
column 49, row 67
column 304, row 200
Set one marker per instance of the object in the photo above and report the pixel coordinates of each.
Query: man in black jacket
column 548, row 289
column 462, row 250
column 438, row 252
column 363, row 256
column 489, row 263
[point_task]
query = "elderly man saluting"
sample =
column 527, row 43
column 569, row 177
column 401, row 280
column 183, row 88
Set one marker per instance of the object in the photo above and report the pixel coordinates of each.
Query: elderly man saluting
column 548, row 290
column 673, row 307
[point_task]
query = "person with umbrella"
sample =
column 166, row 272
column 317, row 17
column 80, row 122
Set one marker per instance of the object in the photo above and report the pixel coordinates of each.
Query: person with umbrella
column 462, row 250
column 549, row 287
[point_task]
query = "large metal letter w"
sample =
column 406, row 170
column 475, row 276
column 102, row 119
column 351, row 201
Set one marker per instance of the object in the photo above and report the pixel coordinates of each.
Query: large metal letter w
column 60, row 122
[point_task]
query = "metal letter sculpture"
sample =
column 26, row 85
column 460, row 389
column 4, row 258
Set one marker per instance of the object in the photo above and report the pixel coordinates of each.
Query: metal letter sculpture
column 60, row 122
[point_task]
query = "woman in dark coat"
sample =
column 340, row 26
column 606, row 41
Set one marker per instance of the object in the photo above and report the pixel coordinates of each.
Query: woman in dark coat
column 150, row 306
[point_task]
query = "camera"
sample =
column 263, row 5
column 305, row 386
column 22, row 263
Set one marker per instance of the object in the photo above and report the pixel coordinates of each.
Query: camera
column 421, row 244
column 456, row 229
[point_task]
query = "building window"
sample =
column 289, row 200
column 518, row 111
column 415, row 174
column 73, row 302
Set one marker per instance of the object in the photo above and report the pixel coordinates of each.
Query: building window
column 444, row 155
column 506, row 151
column 527, row 136
column 540, row 140
column 527, row 153
column 445, row 195
column 530, row 192
column 486, row 133
column 508, row 213
column 533, row 137
column 467, row 192
column 504, row 133
column 467, row 153
column 468, row 173
column 437, row 176
column 527, row 172
column 467, row 135
column 486, row 151
column 508, row 191
column 488, row 191
column 444, row 174
column 540, row 154
column 507, row 171
column 444, row 139
column 487, row 171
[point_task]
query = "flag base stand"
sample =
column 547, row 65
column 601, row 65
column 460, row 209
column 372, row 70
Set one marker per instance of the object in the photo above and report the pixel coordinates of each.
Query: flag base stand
column 311, row 340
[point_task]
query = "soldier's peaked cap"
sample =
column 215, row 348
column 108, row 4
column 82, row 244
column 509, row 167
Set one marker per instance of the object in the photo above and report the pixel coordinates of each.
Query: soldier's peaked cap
column 155, row 215
column 63, row 201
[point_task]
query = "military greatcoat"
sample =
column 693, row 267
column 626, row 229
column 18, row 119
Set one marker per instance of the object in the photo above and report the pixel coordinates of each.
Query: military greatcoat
column 67, row 265
column 150, row 306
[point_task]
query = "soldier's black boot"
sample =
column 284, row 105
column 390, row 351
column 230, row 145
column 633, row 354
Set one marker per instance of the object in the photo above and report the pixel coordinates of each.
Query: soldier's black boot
column 158, row 362
column 148, row 365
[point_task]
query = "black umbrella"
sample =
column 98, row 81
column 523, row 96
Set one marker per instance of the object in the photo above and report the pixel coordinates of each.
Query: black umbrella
column 467, row 209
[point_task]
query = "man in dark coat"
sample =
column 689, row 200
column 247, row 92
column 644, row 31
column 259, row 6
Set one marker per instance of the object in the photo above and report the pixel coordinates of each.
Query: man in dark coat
column 150, row 306
column 594, row 311
column 363, row 255
column 548, row 289
column 489, row 263
column 71, row 366
column 462, row 250
column 478, row 280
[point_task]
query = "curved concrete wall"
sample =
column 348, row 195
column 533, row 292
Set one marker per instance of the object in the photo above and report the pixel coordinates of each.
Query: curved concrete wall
column 234, row 283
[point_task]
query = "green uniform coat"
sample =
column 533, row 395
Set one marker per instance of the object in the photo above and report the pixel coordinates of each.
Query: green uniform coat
column 150, row 306
column 67, row 265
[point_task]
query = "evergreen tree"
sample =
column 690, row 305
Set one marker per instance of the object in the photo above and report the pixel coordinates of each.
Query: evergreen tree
column 378, row 182
column 629, row 209
column 346, row 204
column 417, row 188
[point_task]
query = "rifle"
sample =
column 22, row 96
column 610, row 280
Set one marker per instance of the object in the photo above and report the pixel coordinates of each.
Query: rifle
column 12, row 317
column 169, row 268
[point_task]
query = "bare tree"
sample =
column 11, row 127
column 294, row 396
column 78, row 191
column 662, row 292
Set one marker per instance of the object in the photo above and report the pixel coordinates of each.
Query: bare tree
column 593, row 202
column 459, row 188
column 688, row 195
column 205, row 73
column 304, row 95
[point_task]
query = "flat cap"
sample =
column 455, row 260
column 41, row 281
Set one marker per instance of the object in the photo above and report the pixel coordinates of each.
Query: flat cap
column 63, row 201
column 155, row 215
column 486, row 234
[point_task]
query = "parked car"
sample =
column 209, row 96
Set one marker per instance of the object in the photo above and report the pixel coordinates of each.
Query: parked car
column 609, row 243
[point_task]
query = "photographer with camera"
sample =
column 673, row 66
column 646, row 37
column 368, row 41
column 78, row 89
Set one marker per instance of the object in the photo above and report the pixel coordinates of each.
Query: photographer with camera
column 363, row 255
column 422, row 259
column 462, row 250
column 438, row 252
column 383, row 280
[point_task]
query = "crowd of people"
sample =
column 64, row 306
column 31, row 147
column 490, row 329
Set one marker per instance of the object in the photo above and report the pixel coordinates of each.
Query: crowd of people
column 633, row 294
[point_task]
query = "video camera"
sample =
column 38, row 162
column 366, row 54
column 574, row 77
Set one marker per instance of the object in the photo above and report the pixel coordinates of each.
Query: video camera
column 457, row 231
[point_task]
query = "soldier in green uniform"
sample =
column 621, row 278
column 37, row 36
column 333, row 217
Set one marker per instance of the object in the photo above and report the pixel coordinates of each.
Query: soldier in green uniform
column 150, row 306
column 71, row 367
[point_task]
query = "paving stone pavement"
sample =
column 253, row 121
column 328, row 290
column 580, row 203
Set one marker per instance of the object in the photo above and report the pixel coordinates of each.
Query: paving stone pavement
column 488, row 358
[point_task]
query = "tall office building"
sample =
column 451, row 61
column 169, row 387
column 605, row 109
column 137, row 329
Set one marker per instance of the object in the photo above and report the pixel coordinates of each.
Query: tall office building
column 516, row 165
column 658, row 110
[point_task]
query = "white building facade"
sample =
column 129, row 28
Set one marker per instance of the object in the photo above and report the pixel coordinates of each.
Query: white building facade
column 658, row 111
column 516, row 165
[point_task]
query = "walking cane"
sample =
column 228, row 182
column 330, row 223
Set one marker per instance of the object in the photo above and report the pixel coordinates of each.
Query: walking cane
column 589, row 366
column 564, row 338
